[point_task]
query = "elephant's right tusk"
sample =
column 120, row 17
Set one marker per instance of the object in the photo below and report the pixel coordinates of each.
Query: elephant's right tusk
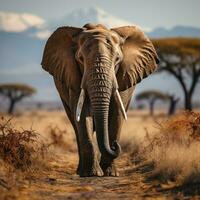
column 121, row 104
column 80, row 105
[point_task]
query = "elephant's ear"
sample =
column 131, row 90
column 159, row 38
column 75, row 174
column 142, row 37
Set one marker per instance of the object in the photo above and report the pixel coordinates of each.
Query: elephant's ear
column 140, row 58
column 59, row 55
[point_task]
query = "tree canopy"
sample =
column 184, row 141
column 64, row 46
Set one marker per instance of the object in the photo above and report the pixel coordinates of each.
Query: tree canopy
column 27, row 90
column 15, row 92
column 151, row 94
column 178, row 46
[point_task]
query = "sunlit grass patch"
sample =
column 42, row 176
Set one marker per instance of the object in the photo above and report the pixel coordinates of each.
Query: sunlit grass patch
column 174, row 151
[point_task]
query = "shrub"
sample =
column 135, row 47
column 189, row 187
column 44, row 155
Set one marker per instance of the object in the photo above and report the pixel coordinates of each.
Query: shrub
column 174, row 152
column 19, row 148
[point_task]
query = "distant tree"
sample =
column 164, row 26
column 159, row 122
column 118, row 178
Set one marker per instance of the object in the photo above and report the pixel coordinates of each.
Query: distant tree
column 172, row 104
column 15, row 93
column 151, row 96
column 181, row 58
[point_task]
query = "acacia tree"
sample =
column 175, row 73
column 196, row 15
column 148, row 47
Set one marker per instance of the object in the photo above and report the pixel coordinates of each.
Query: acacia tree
column 15, row 93
column 173, row 100
column 181, row 58
column 151, row 96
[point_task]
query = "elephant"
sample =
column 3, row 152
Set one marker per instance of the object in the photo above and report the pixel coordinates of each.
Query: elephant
column 95, row 70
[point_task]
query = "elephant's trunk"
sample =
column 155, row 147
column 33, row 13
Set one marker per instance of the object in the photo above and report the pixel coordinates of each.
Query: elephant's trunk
column 99, row 88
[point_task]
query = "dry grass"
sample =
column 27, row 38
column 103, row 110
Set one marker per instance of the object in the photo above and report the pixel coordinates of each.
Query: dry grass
column 23, row 154
column 27, row 157
column 19, row 148
column 164, row 153
column 57, row 139
column 174, row 151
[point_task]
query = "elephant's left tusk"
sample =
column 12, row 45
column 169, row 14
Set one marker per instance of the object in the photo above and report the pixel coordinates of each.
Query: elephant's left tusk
column 121, row 104
column 80, row 105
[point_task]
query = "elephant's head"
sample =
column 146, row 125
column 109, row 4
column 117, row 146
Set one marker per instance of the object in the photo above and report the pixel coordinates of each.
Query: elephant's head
column 102, row 62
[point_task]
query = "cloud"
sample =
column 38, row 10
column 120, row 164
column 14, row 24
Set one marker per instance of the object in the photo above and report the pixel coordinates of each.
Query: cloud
column 44, row 34
column 18, row 22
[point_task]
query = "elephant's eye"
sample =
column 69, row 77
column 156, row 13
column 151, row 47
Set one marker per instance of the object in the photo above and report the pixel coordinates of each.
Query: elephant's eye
column 118, row 59
column 108, row 41
column 109, row 44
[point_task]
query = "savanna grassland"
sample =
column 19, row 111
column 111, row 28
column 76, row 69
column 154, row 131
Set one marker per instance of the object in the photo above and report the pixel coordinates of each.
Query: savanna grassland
column 160, row 159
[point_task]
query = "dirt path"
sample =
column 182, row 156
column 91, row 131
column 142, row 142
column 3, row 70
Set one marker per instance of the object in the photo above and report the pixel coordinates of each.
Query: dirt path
column 60, row 182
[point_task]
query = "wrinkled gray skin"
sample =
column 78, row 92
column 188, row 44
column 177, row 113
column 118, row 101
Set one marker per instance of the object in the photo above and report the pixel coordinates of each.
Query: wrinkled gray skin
column 100, row 61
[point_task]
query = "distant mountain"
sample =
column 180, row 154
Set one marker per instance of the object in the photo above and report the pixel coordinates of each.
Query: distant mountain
column 177, row 31
column 93, row 15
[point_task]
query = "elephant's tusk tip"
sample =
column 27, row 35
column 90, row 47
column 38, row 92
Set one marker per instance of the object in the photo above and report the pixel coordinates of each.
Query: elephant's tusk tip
column 78, row 118
column 125, row 117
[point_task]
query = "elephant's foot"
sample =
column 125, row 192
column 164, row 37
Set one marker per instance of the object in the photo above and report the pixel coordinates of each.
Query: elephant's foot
column 88, row 171
column 109, row 169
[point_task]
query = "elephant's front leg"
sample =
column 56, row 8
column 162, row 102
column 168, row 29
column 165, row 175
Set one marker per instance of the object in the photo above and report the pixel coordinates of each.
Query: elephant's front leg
column 115, row 125
column 89, row 162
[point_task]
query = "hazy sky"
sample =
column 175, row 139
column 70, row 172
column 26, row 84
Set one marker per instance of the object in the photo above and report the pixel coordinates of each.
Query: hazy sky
column 146, row 13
